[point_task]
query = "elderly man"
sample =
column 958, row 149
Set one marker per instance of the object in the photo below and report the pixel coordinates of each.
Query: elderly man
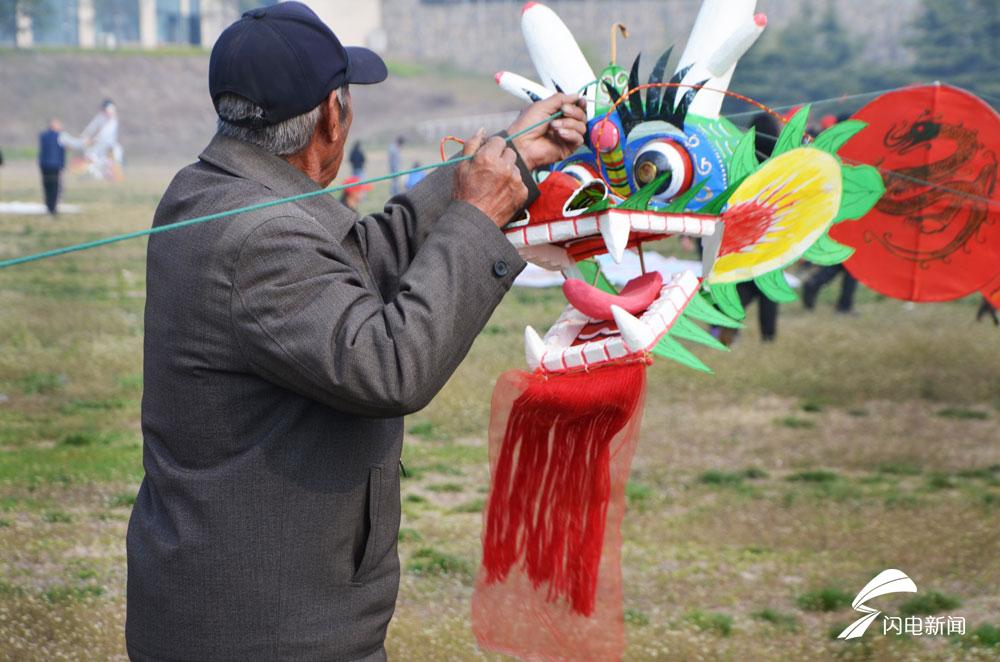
column 283, row 346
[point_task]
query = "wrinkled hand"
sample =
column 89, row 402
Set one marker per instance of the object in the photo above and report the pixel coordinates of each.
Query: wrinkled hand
column 491, row 181
column 552, row 142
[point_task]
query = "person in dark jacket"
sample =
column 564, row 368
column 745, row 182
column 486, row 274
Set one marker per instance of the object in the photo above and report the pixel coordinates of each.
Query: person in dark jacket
column 358, row 159
column 284, row 346
column 766, row 136
column 51, row 161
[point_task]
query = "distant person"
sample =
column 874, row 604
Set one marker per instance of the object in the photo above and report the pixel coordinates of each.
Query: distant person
column 986, row 309
column 358, row 159
column 353, row 196
column 395, row 154
column 824, row 275
column 766, row 136
column 415, row 178
column 51, row 161
column 100, row 139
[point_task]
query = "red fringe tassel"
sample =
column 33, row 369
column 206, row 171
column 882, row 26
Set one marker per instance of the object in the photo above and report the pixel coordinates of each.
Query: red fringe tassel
column 551, row 486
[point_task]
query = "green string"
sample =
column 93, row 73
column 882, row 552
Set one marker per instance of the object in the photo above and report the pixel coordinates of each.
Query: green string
column 262, row 205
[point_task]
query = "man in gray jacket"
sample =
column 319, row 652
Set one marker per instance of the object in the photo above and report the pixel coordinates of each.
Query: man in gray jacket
column 283, row 346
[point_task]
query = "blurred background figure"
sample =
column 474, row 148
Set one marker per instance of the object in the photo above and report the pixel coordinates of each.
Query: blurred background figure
column 820, row 278
column 103, row 152
column 51, row 161
column 986, row 309
column 358, row 159
column 395, row 154
column 824, row 275
column 415, row 178
column 767, row 130
column 353, row 197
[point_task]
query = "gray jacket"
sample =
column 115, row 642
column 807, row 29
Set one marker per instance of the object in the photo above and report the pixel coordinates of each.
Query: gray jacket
column 282, row 348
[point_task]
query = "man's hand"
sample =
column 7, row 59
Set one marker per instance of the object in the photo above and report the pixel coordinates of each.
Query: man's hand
column 554, row 141
column 491, row 181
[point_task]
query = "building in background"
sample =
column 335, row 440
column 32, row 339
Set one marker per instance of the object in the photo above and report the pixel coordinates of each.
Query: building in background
column 158, row 23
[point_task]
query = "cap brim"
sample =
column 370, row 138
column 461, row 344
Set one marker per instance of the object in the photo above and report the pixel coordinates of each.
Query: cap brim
column 364, row 67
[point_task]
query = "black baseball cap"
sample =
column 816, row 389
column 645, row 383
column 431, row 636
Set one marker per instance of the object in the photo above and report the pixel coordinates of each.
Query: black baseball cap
column 286, row 60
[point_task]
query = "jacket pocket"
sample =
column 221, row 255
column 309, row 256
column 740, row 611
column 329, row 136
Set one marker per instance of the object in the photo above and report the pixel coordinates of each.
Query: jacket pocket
column 368, row 558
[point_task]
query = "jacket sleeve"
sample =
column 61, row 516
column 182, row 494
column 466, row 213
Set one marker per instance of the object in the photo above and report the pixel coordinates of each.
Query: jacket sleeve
column 309, row 321
column 391, row 239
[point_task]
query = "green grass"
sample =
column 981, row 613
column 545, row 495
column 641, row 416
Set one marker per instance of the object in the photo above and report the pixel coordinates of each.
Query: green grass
column 814, row 476
column 446, row 487
column 638, row 494
column 824, row 599
column 409, row 535
column 72, row 593
column 963, row 414
column 431, row 562
column 941, row 481
column 473, row 506
column 777, row 618
column 57, row 517
column 795, row 423
column 122, row 500
column 41, row 383
column 927, row 603
column 424, row 430
column 901, row 468
column 985, row 635
column 730, row 478
column 636, row 617
column 711, row 621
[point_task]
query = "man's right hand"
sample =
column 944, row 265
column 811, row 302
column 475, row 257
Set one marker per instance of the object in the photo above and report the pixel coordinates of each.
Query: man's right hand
column 491, row 181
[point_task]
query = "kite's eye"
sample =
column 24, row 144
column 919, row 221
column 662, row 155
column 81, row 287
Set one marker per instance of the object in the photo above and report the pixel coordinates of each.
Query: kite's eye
column 621, row 80
column 661, row 157
column 580, row 172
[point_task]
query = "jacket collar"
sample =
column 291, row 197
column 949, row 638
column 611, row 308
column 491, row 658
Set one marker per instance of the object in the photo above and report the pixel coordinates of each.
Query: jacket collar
column 278, row 176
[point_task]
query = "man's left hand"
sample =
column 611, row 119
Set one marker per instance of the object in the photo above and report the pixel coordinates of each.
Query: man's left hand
column 552, row 142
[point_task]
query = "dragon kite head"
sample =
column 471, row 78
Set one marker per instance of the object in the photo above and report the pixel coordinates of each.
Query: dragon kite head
column 659, row 160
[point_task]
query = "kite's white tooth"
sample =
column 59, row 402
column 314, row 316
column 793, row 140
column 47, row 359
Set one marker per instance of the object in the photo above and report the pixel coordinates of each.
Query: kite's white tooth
column 640, row 221
column 615, row 229
column 534, row 347
column 636, row 334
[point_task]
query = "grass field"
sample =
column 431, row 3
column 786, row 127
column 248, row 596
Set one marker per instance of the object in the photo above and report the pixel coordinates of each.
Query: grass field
column 762, row 498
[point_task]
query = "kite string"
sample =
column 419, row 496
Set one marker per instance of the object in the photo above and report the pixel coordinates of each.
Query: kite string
column 262, row 205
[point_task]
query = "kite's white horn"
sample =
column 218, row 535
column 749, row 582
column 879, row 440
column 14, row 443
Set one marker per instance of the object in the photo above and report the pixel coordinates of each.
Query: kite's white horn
column 637, row 335
column 736, row 46
column 555, row 53
column 534, row 347
column 718, row 21
column 521, row 87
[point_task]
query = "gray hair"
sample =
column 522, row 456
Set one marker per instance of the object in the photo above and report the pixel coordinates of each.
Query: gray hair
column 282, row 139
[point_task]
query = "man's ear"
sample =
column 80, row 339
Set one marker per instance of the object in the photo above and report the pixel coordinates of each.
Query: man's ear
column 330, row 117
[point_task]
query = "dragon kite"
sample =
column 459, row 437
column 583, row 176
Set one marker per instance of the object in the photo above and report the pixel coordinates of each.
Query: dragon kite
column 659, row 161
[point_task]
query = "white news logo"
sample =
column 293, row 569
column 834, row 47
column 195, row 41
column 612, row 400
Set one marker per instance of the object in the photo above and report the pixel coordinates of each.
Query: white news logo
column 896, row 581
column 884, row 583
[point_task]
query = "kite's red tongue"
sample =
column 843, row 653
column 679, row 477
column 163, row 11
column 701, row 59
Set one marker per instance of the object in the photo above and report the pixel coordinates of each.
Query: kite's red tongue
column 637, row 295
